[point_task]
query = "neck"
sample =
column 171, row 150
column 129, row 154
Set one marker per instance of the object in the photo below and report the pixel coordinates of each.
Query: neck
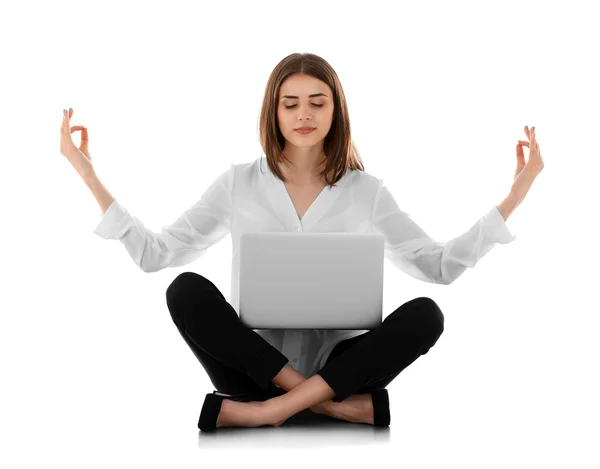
column 305, row 173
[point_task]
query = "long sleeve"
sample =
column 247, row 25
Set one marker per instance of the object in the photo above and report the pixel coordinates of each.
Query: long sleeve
column 410, row 249
column 185, row 240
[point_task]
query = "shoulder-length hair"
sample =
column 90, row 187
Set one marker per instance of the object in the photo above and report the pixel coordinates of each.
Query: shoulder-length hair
column 341, row 153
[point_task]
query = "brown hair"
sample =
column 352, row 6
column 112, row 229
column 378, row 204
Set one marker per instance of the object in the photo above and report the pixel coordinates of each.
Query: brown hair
column 341, row 153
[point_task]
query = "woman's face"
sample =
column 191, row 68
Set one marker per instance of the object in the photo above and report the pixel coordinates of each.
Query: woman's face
column 297, row 108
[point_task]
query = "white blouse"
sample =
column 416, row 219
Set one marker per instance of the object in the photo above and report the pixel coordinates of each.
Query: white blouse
column 248, row 197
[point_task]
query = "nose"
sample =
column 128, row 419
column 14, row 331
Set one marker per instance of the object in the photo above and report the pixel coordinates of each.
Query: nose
column 304, row 112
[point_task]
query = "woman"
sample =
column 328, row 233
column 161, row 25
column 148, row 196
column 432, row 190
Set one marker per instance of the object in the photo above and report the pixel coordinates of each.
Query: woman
column 314, row 181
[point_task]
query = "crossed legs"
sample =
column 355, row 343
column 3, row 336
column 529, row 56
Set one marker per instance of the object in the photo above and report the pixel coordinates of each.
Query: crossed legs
column 212, row 329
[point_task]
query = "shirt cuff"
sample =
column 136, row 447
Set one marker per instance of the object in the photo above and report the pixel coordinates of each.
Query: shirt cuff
column 113, row 222
column 496, row 227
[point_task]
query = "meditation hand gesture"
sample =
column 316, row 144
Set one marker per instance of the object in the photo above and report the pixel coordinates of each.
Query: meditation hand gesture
column 525, row 174
column 80, row 157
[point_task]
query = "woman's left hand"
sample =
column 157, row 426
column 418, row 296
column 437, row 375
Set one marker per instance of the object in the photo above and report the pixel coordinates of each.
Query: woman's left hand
column 525, row 174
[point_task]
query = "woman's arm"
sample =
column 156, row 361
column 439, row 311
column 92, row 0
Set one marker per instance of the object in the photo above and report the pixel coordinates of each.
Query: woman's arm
column 204, row 223
column 508, row 205
column 104, row 198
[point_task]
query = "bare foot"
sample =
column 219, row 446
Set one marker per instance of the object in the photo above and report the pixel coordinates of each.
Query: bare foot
column 357, row 408
column 321, row 408
column 257, row 411
column 240, row 414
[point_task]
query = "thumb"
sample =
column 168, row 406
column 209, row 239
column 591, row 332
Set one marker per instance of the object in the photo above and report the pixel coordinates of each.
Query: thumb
column 520, row 155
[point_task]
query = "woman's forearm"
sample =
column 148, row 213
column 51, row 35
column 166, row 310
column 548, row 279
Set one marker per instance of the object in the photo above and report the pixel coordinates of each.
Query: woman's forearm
column 103, row 197
column 508, row 205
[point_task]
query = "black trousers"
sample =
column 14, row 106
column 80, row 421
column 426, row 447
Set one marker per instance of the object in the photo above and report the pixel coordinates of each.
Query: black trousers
column 238, row 360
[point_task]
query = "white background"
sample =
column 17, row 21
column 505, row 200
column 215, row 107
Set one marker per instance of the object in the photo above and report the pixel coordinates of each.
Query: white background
column 94, row 372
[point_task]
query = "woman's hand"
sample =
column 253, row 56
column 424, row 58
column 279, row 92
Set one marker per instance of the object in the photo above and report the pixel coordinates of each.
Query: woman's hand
column 525, row 174
column 80, row 157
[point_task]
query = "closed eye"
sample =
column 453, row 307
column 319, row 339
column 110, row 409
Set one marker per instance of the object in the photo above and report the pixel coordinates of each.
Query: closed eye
column 318, row 105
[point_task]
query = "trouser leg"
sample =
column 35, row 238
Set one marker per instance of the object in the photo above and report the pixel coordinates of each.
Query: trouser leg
column 373, row 359
column 235, row 357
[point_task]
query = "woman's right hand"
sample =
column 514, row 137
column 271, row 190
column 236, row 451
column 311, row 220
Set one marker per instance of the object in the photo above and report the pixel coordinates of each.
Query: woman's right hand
column 80, row 157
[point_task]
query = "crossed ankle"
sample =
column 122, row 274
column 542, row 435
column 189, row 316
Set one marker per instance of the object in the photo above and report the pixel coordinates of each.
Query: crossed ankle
column 352, row 408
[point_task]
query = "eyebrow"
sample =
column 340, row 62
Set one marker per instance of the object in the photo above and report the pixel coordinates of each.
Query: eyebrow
column 310, row 96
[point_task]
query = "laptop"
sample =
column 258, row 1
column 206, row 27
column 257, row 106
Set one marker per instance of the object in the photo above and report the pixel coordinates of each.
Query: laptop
column 311, row 280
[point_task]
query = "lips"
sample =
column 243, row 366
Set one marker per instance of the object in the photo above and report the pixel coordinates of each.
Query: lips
column 308, row 131
column 305, row 128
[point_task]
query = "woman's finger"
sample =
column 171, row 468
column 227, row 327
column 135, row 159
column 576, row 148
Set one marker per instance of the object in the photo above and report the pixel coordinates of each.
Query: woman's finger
column 66, row 130
column 84, row 133
column 65, row 122
column 520, row 155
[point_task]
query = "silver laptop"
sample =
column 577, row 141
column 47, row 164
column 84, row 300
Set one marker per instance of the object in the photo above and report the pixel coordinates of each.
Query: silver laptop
column 311, row 280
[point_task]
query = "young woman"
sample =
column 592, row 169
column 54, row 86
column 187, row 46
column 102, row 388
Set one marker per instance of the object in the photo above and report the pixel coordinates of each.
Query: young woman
column 309, row 180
